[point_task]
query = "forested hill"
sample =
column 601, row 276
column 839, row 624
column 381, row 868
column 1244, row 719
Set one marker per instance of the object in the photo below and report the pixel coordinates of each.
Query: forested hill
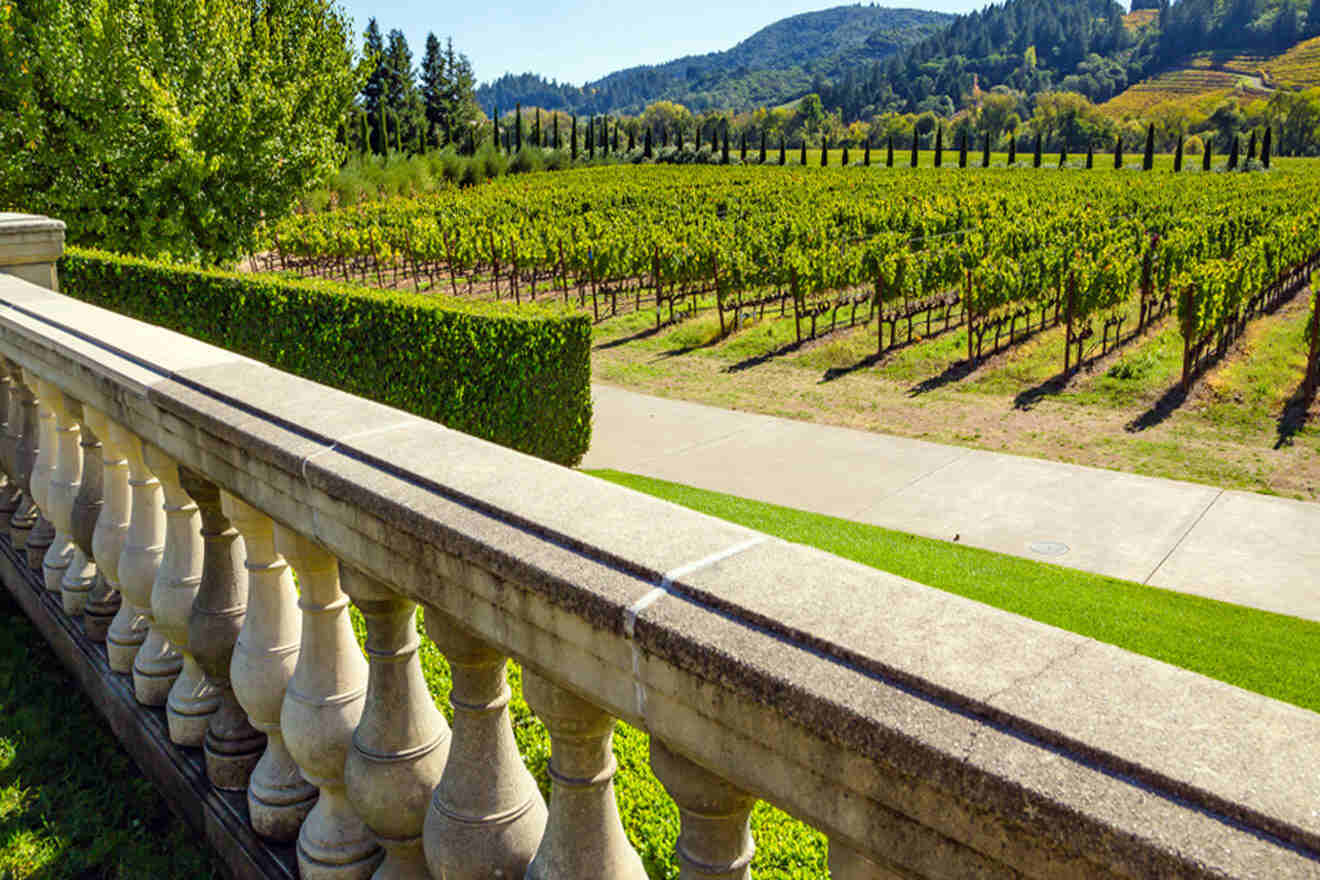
column 776, row 64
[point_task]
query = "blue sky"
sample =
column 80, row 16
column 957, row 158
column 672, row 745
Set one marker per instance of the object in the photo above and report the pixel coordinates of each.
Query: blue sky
column 582, row 41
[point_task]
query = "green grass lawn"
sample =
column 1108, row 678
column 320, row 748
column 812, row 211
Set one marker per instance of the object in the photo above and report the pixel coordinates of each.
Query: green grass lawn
column 72, row 802
column 1271, row 654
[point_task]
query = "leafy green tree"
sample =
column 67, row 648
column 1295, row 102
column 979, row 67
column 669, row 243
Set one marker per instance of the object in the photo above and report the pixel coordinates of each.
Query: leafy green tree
column 170, row 128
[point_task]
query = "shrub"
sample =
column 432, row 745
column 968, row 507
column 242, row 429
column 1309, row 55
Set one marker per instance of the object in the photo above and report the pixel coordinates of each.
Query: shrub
column 519, row 378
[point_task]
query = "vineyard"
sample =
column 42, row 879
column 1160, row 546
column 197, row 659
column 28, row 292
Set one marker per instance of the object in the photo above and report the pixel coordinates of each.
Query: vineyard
column 1002, row 254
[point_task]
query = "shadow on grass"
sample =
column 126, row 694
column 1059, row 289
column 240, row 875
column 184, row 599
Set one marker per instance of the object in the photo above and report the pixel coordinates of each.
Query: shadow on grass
column 1159, row 412
column 833, row 373
column 1027, row 399
column 764, row 357
column 954, row 372
column 1293, row 418
column 624, row 340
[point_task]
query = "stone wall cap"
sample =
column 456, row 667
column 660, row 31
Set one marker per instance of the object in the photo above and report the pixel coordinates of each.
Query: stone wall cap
column 12, row 223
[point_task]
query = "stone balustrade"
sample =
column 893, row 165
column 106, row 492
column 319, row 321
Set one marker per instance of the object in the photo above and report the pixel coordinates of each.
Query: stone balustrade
column 237, row 512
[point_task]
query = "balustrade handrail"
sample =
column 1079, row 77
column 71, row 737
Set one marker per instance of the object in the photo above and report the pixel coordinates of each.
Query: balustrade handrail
column 918, row 729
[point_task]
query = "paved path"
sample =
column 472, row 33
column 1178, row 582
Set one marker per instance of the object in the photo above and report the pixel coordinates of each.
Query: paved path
column 1235, row 546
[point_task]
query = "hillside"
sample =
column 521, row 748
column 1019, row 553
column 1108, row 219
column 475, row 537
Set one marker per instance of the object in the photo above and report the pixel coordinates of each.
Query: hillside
column 774, row 65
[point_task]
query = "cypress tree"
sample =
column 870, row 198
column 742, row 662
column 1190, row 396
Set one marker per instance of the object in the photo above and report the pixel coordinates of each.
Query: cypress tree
column 1265, row 148
column 1233, row 155
column 1148, row 160
column 939, row 147
column 1012, row 149
column 1118, row 153
column 1251, row 148
column 575, row 141
column 678, row 132
column 763, row 139
column 517, row 128
column 962, row 150
column 824, row 150
column 1205, row 157
column 536, row 133
column 556, row 131
column 714, row 138
column 783, row 151
column 845, row 155
column 1178, row 156
column 495, row 121
column 985, row 151
column 866, row 156
column 1090, row 155
column 742, row 146
column 632, row 139
column 889, row 155
column 591, row 139
column 802, row 160
column 616, row 136
column 914, row 148
column 646, row 150
column 724, row 149
column 1063, row 154
column 366, row 133
column 421, row 141
column 1039, row 155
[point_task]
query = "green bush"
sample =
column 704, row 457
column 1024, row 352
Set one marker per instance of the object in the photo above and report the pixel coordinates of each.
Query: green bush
column 519, row 378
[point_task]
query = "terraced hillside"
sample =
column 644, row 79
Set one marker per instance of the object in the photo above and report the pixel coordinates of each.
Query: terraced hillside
column 1298, row 68
column 1203, row 84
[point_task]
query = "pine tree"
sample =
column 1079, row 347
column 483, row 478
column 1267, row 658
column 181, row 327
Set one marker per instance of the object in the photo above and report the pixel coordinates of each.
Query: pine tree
column 939, row 146
column 1178, row 156
column 1265, row 148
column 616, row 137
column 985, row 151
column 1148, row 160
column 1233, row 155
column 434, row 82
column 400, row 95
column 458, row 102
column 889, row 156
column 1206, row 159
column 664, row 135
column 962, row 150
column 574, row 142
column 1039, row 154
column 373, row 91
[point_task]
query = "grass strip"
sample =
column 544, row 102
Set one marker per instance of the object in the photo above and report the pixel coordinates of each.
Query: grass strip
column 1272, row 654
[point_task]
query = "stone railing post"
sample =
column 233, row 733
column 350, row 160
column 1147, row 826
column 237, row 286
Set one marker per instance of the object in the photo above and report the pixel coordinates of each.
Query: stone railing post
column 42, row 535
column 103, row 602
column 30, row 246
column 128, row 629
column 232, row 746
column 487, row 815
column 65, row 482
column 23, row 418
column 80, row 575
column 10, row 494
column 583, row 834
column 714, row 839
column 322, row 708
column 402, row 742
column 265, row 655
column 192, row 700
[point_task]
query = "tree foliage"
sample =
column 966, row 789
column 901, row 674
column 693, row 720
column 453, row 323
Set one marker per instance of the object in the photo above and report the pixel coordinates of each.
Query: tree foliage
column 170, row 126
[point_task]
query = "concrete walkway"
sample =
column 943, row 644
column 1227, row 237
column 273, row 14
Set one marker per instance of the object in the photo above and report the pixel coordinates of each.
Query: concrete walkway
column 1234, row 546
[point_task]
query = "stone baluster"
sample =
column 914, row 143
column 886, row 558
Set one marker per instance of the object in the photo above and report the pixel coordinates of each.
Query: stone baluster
column 156, row 663
column 108, row 535
column 43, row 470
column 192, row 700
column 65, row 481
column 80, row 576
column 583, row 834
column 128, row 630
column 10, row 495
column 231, row 746
column 487, row 815
column 401, row 743
column 23, row 416
column 847, row 863
column 265, row 655
column 714, row 839
column 322, row 707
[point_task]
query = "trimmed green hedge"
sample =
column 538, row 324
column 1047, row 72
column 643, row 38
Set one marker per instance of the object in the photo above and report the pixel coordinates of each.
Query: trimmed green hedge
column 519, row 378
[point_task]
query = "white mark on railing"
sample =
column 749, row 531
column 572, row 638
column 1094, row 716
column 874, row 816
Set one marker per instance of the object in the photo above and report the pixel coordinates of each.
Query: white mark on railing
column 655, row 594
column 351, row 437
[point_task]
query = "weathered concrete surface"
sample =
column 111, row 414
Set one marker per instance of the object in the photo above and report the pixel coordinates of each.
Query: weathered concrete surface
column 32, row 246
column 940, row 736
column 1233, row 546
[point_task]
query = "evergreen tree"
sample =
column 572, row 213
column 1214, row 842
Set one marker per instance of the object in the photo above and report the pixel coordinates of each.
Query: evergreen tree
column 457, row 100
column 536, row 130
column 763, row 146
column 1063, row 154
column 1090, row 155
column 1118, row 153
column 495, row 123
column 1039, row 154
column 914, row 149
column 366, row 132
column 1251, row 148
column 783, row 151
column 401, row 95
column 724, row 148
column 985, row 151
column 939, row 146
column 824, row 151
column 555, row 130
column 373, row 51
column 678, row 135
column 574, row 142
column 591, row 139
column 1012, row 150
column 1205, row 157
column 1233, row 155
column 382, row 134
column 889, row 156
column 962, row 150
column 802, row 160
column 845, row 155
column 632, row 139
column 742, row 146
column 517, row 128
column 434, row 82
column 1148, row 160
column 866, row 155
column 646, row 149
column 1312, row 28
column 714, row 137
column 664, row 135
column 1178, row 156
column 1265, row 147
